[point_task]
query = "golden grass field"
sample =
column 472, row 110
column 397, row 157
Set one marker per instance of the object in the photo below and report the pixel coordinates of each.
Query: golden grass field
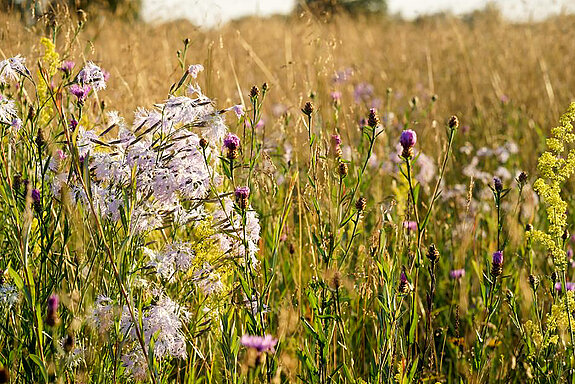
column 470, row 63
column 507, row 83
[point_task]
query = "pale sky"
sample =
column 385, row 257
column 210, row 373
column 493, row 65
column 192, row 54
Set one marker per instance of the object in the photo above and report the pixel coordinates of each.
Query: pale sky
column 214, row 12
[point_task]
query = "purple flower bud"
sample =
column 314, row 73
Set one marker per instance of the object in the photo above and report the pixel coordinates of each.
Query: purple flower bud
column 67, row 67
column 231, row 142
column 73, row 124
column 335, row 140
column 403, row 277
column 497, row 184
column 53, row 302
column 36, row 195
column 336, row 97
column 497, row 257
column 408, row 138
column 242, row 193
column 457, row 274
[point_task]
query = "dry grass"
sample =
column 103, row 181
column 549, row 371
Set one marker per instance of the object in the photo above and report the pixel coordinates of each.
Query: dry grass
column 470, row 64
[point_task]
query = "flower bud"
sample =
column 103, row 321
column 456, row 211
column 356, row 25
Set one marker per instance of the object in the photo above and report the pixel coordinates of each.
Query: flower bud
column 52, row 310
column 497, row 264
column 433, row 254
column 407, row 140
column 373, row 120
column 497, row 184
column 360, row 204
column 242, row 195
column 453, row 122
column 307, row 109
column 403, row 284
column 254, row 92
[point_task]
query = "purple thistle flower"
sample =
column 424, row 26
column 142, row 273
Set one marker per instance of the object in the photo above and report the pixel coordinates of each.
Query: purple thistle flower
column 35, row 195
column 408, row 139
column 497, row 257
column 335, row 96
column 259, row 343
column 53, row 302
column 242, row 193
column 457, row 274
column 569, row 285
column 67, row 67
column 410, row 225
column 497, row 184
column 231, row 142
column 80, row 91
column 403, row 277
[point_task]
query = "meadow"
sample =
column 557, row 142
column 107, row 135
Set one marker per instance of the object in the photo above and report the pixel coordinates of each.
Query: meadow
column 290, row 199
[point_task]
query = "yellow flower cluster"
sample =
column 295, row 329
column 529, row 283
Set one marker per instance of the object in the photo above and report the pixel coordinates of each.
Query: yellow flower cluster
column 554, row 168
column 50, row 62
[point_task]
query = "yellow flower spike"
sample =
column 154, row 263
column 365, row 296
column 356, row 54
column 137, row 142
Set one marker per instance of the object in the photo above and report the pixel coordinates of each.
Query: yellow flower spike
column 555, row 168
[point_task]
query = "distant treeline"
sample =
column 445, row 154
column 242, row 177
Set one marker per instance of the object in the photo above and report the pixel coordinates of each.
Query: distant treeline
column 343, row 6
column 31, row 9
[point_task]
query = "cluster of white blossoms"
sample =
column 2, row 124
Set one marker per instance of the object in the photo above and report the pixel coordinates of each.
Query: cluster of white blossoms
column 162, row 324
column 161, row 170
column 175, row 257
column 9, row 297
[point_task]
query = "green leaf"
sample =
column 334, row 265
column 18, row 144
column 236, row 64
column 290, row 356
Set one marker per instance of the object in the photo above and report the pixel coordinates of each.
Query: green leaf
column 40, row 365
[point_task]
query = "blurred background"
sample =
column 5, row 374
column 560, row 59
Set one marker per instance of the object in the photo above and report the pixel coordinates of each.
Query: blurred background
column 210, row 13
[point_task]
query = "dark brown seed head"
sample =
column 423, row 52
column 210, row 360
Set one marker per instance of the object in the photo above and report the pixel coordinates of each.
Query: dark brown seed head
column 291, row 249
column 17, row 182
column 203, row 143
column 528, row 227
column 453, row 122
column 565, row 235
column 373, row 120
column 307, row 108
column 522, row 178
column 265, row 87
column 360, row 204
column 186, row 41
column 40, row 139
column 255, row 92
column 433, row 253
